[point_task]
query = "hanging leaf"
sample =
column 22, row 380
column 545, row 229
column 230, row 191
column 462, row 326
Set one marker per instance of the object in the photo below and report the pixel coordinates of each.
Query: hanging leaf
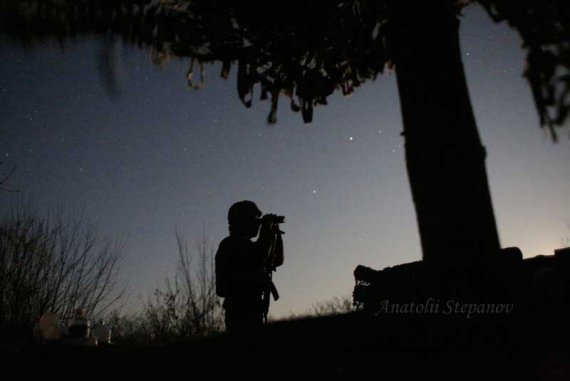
column 226, row 66
column 307, row 111
column 244, row 84
column 272, row 118
column 294, row 106
column 190, row 75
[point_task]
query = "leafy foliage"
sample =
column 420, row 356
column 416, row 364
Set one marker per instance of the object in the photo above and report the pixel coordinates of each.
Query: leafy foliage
column 545, row 30
column 302, row 49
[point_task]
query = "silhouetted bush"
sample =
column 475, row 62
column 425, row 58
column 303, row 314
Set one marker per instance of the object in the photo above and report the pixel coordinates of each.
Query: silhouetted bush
column 186, row 308
column 55, row 263
column 333, row 306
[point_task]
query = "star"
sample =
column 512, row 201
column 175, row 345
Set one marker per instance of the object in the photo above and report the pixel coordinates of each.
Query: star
column 351, row 138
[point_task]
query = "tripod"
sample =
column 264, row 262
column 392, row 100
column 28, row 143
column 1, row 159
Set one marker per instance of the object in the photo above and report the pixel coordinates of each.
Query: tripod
column 274, row 258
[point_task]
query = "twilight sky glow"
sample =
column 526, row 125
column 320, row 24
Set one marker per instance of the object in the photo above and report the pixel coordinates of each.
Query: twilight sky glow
column 163, row 156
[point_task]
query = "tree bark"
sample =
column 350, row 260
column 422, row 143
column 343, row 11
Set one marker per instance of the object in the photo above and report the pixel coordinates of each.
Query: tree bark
column 444, row 155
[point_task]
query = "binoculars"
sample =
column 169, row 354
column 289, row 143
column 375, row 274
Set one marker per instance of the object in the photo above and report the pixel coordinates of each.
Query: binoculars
column 272, row 218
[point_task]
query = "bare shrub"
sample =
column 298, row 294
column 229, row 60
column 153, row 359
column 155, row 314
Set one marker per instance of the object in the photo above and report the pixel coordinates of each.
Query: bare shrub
column 187, row 307
column 333, row 306
column 53, row 263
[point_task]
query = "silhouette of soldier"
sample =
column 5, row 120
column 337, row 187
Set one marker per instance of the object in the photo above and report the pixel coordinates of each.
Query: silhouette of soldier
column 243, row 267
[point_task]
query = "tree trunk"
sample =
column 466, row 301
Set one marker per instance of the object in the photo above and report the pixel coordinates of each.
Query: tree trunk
column 444, row 155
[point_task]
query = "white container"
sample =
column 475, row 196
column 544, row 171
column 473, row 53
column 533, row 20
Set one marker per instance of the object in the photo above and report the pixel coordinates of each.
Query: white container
column 102, row 333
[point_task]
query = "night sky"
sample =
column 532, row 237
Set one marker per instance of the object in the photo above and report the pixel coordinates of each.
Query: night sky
column 162, row 157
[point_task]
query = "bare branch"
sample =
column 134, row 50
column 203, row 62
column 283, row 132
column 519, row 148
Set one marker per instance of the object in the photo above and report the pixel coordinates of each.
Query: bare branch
column 6, row 178
column 53, row 263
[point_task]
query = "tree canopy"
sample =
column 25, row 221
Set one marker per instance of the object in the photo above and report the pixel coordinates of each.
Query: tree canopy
column 307, row 49
column 304, row 50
